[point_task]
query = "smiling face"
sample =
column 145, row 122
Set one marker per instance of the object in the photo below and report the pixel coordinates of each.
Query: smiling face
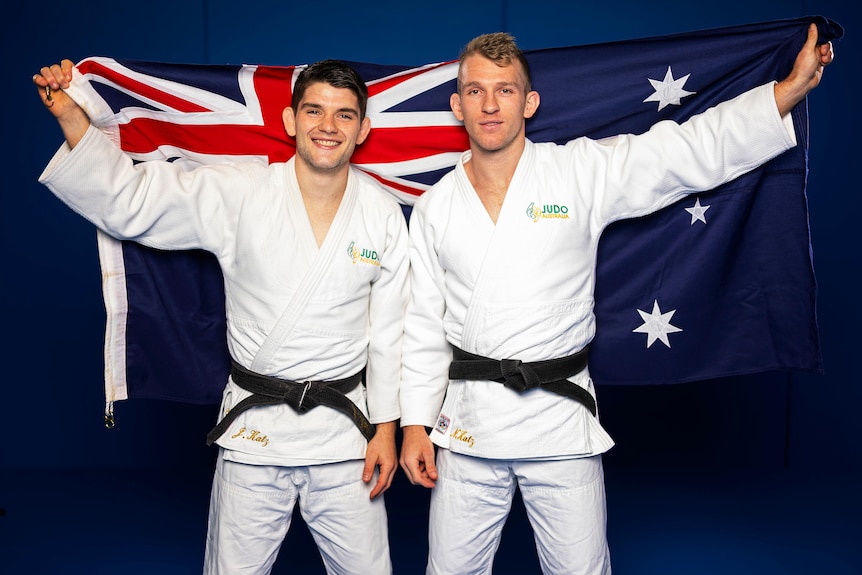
column 493, row 101
column 327, row 126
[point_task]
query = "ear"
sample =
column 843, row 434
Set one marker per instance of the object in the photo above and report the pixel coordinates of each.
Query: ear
column 364, row 130
column 289, row 121
column 455, row 104
column 532, row 104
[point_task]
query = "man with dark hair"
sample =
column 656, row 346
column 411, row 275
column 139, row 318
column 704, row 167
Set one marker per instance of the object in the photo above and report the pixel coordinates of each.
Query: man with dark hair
column 336, row 74
column 314, row 259
column 476, row 319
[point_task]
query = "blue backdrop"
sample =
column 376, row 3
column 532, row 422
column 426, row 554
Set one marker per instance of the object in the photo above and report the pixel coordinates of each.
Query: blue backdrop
column 52, row 391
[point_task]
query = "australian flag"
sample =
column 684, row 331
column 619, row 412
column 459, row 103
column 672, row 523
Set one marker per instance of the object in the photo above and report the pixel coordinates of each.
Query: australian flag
column 719, row 284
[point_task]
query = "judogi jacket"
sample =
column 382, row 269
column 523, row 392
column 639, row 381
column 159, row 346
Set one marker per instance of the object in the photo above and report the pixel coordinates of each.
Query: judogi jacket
column 252, row 217
column 523, row 288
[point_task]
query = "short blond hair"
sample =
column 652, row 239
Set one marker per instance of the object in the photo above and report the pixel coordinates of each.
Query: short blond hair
column 500, row 48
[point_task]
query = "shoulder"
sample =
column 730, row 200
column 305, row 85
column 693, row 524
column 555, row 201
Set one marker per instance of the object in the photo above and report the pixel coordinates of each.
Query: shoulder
column 546, row 150
column 548, row 153
column 439, row 194
column 377, row 201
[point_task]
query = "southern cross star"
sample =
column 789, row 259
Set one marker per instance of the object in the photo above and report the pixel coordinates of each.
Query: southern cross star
column 668, row 91
column 656, row 325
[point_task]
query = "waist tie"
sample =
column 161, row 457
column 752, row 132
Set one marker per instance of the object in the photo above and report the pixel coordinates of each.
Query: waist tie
column 549, row 374
column 302, row 397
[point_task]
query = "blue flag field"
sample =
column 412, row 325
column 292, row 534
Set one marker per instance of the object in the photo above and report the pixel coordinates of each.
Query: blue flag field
column 719, row 284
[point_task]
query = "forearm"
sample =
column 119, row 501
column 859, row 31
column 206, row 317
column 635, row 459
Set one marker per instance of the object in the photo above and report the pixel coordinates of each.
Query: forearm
column 74, row 125
column 788, row 93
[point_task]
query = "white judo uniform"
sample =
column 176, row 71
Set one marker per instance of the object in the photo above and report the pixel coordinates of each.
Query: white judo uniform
column 344, row 300
column 523, row 289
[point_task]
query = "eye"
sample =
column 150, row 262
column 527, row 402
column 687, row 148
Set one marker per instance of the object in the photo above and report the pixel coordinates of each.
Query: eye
column 345, row 116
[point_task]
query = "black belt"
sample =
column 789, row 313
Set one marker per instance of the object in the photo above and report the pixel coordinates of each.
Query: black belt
column 302, row 397
column 549, row 374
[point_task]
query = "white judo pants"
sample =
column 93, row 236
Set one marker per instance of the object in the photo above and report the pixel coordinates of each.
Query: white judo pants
column 565, row 502
column 251, row 507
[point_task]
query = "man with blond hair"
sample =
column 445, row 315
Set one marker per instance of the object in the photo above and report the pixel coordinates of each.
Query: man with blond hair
column 498, row 297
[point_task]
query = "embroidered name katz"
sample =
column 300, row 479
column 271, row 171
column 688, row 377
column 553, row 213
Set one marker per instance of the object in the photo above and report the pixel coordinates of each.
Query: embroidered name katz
column 547, row 211
column 253, row 435
column 461, row 435
column 363, row 255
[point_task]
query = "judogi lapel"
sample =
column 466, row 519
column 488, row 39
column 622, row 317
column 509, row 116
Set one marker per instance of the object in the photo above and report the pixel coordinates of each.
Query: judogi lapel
column 500, row 254
column 322, row 259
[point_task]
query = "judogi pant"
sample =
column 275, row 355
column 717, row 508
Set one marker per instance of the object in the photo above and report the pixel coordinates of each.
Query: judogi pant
column 565, row 502
column 251, row 507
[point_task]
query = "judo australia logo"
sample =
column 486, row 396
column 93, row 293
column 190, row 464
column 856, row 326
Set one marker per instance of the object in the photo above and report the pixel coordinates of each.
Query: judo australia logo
column 363, row 255
column 547, row 211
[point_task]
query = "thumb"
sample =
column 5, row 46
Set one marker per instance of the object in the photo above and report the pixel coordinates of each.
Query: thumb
column 431, row 466
column 813, row 34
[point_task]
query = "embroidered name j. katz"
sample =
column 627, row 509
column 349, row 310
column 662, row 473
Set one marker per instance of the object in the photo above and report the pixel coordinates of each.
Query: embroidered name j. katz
column 253, row 435
column 363, row 255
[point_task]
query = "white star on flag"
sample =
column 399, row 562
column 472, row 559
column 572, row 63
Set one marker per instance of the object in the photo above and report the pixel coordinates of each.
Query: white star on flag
column 668, row 91
column 656, row 325
column 697, row 212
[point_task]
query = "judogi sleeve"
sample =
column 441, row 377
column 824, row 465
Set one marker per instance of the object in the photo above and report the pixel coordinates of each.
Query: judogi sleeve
column 155, row 203
column 426, row 352
column 388, row 300
column 640, row 174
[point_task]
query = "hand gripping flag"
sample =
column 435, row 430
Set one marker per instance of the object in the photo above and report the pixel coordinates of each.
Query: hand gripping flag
column 719, row 284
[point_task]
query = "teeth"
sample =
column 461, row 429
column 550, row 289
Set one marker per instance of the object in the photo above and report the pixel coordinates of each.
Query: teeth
column 330, row 143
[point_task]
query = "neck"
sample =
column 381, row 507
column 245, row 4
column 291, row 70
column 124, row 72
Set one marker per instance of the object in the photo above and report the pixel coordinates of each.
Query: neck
column 321, row 185
column 322, row 192
column 490, row 173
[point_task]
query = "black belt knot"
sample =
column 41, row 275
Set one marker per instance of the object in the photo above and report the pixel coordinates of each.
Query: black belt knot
column 551, row 375
column 518, row 375
column 301, row 396
column 313, row 401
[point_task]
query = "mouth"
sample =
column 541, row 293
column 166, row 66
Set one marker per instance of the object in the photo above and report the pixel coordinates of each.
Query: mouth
column 490, row 126
column 326, row 143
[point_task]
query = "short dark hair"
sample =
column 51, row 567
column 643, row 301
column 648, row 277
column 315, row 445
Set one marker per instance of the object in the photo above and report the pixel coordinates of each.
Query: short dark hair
column 500, row 48
column 335, row 73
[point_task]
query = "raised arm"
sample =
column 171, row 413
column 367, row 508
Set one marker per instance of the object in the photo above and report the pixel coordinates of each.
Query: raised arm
column 51, row 82
column 806, row 74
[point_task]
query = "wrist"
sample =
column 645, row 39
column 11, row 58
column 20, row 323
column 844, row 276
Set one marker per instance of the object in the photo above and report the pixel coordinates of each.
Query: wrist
column 414, row 430
column 386, row 429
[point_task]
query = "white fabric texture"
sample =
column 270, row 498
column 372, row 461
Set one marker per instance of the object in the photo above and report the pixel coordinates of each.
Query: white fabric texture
column 565, row 502
column 252, row 506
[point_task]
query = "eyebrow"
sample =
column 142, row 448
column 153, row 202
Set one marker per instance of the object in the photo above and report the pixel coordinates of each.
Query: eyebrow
column 478, row 84
column 348, row 109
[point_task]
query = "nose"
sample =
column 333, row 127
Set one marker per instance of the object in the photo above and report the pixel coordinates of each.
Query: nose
column 489, row 103
column 327, row 124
